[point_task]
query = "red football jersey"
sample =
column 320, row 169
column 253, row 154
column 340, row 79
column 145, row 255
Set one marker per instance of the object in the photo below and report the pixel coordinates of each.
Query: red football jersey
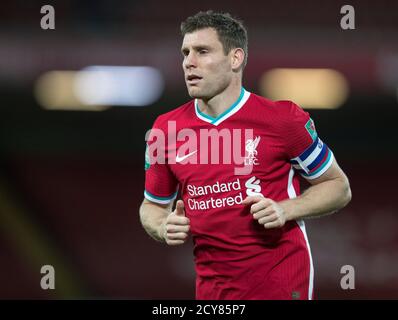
column 215, row 165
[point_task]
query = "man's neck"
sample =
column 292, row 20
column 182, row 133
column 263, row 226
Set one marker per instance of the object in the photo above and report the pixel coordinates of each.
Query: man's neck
column 221, row 102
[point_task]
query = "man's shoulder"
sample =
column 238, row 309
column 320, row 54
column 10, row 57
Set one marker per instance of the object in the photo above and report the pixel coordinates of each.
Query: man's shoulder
column 281, row 108
column 181, row 112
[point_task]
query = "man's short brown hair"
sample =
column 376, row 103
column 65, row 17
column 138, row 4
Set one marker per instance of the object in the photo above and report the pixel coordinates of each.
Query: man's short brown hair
column 231, row 32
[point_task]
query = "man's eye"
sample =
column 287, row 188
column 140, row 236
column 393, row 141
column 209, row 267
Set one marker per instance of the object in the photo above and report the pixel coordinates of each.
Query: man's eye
column 203, row 51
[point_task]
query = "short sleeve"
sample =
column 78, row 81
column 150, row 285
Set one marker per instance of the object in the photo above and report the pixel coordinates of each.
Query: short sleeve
column 161, row 186
column 308, row 154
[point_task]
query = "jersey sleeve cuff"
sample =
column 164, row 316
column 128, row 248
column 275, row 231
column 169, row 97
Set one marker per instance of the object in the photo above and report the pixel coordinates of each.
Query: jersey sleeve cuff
column 161, row 200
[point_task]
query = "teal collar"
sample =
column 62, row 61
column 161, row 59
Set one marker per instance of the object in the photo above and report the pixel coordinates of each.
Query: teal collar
column 244, row 95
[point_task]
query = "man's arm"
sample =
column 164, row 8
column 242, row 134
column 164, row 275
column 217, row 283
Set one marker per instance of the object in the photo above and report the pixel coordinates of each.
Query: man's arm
column 162, row 224
column 152, row 216
column 327, row 194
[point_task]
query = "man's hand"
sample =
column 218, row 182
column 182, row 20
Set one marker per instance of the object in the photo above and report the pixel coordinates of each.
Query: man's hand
column 266, row 211
column 176, row 226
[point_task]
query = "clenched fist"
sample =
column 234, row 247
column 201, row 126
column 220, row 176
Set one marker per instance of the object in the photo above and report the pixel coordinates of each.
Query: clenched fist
column 176, row 226
column 266, row 211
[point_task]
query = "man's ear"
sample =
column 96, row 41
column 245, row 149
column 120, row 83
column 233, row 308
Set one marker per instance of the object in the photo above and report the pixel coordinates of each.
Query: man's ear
column 237, row 58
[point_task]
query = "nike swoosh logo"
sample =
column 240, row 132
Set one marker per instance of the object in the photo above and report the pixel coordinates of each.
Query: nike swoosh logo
column 179, row 159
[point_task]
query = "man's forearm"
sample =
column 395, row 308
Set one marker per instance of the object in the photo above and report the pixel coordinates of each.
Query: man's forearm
column 321, row 199
column 152, row 218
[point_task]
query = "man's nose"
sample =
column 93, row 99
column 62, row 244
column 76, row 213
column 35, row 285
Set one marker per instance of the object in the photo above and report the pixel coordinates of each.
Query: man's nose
column 190, row 61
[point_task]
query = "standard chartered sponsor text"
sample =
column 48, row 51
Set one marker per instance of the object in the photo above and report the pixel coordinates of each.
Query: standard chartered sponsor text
column 212, row 202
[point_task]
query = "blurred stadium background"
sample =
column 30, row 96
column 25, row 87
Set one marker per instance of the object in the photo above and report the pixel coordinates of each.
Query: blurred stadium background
column 72, row 167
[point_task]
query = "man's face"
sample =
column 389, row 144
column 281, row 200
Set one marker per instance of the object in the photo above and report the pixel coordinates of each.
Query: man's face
column 207, row 69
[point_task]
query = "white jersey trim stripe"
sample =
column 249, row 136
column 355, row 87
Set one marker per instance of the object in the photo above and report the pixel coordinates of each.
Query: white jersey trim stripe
column 292, row 194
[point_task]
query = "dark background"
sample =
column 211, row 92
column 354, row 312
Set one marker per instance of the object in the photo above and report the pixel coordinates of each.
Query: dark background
column 71, row 182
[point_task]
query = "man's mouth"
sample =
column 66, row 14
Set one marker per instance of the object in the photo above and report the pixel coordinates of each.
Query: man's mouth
column 193, row 79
